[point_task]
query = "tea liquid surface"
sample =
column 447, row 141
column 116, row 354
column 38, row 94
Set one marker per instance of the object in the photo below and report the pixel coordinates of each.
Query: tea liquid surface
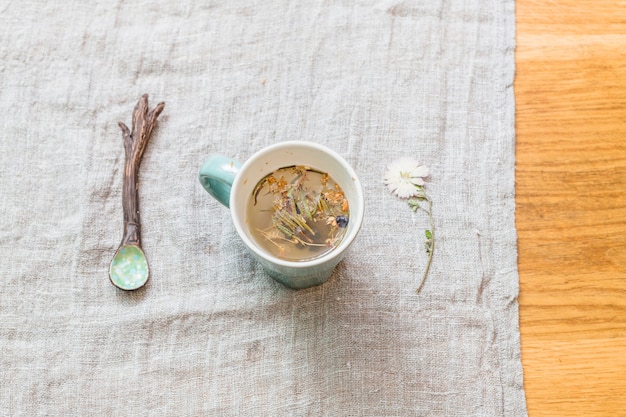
column 297, row 213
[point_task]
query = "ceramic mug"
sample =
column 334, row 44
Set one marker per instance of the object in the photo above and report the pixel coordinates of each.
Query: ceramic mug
column 232, row 184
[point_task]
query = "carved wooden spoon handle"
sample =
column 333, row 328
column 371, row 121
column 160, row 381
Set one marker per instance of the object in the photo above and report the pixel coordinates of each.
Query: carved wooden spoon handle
column 134, row 146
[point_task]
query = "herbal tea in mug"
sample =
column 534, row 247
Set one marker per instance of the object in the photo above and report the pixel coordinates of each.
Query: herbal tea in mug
column 297, row 213
column 296, row 221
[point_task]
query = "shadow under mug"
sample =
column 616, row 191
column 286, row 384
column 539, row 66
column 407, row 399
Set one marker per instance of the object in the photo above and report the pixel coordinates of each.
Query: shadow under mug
column 232, row 184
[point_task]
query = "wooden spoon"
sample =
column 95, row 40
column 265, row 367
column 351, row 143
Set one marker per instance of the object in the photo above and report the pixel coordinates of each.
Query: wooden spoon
column 129, row 267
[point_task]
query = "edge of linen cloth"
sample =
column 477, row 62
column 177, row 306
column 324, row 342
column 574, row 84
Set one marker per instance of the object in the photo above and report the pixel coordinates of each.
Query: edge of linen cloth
column 505, row 240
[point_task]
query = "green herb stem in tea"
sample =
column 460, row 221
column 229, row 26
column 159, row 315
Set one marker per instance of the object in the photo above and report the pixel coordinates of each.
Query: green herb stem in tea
column 297, row 213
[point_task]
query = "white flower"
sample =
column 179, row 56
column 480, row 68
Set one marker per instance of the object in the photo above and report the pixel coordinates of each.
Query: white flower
column 405, row 177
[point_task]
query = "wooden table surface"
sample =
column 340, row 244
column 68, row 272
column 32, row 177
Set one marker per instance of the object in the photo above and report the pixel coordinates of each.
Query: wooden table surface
column 571, row 204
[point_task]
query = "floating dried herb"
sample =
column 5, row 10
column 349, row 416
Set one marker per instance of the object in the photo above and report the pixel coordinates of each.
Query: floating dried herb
column 298, row 213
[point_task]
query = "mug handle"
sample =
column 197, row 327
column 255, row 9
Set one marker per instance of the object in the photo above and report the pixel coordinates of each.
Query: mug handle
column 217, row 175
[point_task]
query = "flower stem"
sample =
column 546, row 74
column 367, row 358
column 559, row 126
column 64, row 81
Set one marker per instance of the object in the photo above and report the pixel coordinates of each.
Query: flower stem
column 431, row 244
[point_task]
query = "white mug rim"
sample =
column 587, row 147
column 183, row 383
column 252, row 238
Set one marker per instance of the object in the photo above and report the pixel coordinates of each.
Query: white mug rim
column 347, row 240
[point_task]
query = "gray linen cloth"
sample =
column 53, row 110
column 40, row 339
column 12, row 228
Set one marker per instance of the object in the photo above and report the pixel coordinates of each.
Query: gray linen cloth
column 211, row 333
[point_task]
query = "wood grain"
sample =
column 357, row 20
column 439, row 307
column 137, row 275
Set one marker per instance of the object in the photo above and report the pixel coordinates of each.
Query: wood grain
column 571, row 205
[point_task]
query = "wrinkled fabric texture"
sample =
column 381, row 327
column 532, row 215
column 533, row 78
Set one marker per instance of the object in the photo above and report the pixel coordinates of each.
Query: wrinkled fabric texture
column 211, row 333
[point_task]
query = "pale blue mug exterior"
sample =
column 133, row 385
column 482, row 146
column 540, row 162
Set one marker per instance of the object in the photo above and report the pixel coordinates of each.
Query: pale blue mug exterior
column 217, row 175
